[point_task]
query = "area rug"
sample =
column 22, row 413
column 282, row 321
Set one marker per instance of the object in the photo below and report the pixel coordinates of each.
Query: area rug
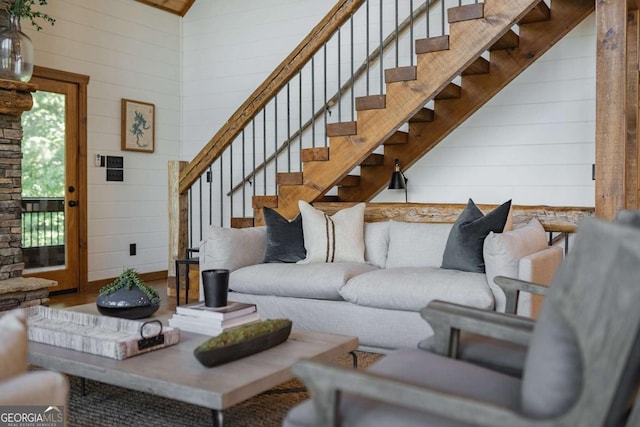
column 110, row 406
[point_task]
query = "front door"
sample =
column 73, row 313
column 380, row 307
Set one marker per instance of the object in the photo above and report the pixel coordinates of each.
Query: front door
column 52, row 202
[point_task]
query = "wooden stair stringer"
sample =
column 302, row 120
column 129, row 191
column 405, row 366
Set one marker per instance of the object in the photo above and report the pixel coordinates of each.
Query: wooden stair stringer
column 535, row 40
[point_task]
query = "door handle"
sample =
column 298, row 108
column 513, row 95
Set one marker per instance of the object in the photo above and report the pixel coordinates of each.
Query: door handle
column 73, row 203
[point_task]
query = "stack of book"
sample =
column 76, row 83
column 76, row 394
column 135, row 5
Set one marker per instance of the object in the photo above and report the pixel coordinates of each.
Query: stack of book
column 200, row 319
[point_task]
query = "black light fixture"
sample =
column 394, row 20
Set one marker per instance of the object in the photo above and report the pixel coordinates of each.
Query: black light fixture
column 399, row 181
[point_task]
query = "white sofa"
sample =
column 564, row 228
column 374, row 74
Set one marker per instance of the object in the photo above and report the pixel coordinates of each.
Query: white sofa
column 377, row 301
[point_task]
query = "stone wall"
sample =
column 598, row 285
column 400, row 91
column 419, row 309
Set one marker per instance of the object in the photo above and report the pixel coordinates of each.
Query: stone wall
column 11, row 264
column 15, row 98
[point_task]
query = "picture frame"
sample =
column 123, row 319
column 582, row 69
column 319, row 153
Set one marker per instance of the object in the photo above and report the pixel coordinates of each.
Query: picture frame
column 138, row 126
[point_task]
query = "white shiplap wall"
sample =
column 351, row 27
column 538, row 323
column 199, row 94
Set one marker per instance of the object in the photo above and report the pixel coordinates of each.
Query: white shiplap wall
column 129, row 50
column 229, row 48
column 533, row 143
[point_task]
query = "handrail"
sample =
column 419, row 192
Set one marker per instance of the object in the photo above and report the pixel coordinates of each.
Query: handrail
column 287, row 69
column 335, row 98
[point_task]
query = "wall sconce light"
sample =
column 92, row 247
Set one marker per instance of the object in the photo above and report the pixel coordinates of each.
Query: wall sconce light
column 399, row 181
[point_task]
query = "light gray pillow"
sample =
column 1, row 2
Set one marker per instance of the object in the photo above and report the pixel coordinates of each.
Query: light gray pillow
column 416, row 244
column 232, row 248
column 376, row 243
column 336, row 238
column 502, row 251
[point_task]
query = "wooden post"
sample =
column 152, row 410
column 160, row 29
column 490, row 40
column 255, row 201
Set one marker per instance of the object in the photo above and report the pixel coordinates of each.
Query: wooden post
column 178, row 216
column 631, row 154
column 611, row 104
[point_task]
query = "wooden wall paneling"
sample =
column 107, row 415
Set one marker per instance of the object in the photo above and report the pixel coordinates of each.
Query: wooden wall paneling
column 611, row 123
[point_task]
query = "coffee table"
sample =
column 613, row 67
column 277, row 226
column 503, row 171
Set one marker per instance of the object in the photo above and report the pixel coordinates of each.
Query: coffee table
column 174, row 372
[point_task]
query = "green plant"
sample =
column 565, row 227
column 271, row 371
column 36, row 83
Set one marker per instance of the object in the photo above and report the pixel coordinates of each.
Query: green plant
column 23, row 9
column 243, row 333
column 128, row 279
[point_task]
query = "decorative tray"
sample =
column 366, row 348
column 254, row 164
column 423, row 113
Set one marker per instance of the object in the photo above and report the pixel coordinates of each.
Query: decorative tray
column 214, row 356
column 105, row 336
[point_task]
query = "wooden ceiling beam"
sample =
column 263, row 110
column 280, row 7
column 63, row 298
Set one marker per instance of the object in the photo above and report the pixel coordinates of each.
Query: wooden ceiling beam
column 176, row 7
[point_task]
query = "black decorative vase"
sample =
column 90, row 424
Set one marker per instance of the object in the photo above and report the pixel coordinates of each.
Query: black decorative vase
column 130, row 303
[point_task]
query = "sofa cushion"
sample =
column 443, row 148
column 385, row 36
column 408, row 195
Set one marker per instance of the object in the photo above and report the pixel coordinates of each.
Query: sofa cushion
column 336, row 238
column 376, row 243
column 465, row 243
column 285, row 241
column 232, row 248
column 313, row 280
column 502, row 251
column 13, row 350
column 416, row 244
column 424, row 370
column 412, row 288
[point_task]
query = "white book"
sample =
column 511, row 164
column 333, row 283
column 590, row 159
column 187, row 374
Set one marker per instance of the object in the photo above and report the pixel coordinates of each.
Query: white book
column 208, row 326
column 230, row 311
column 198, row 329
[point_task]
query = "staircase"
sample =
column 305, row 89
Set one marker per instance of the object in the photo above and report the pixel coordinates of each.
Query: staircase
column 474, row 29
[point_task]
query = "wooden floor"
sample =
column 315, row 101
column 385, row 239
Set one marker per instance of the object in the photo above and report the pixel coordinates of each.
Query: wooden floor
column 71, row 299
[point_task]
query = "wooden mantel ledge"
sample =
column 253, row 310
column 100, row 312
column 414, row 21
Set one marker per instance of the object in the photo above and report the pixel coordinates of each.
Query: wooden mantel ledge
column 560, row 219
column 15, row 97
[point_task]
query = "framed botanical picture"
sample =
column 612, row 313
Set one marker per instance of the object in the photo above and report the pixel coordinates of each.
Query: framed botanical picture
column 138, row 126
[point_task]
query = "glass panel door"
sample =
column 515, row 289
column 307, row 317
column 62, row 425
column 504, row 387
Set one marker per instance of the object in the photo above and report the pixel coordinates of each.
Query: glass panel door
column 49, row 181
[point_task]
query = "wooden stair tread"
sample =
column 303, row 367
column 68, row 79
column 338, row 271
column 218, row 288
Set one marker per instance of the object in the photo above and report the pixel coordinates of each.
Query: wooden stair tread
column 370, row 102
column 432, row 44
column 400, row 74
column 316, row 154
column 465, row 13
column 289, row 178
column 259, row 202
column 329, row 199
column 342, row 129
column 242, row 222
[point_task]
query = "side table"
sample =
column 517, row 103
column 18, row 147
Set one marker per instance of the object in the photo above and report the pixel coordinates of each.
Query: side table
column 186, row 262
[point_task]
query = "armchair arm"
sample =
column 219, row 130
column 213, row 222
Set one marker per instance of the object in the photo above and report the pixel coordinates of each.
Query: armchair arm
column 448, row 319
column 325, row 382
column 512, row 288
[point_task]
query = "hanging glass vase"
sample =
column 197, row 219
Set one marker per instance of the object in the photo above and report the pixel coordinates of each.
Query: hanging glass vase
column 16, row 52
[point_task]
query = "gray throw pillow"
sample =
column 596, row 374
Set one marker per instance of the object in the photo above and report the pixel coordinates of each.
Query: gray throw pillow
column 466, row 239
column 285, row 241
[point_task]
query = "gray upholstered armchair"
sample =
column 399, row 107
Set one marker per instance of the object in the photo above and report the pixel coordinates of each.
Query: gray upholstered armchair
column 495, row 342
column 581, row 366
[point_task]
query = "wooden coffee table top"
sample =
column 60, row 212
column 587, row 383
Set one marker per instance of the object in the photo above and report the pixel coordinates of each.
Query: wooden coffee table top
column 174, row 372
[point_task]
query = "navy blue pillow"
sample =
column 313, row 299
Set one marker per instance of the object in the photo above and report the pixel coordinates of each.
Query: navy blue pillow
column 464, row 250
column 285, row 241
